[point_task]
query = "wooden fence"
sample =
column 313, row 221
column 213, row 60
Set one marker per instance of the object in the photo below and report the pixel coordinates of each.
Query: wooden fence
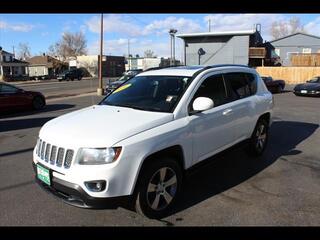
column 291, row 75
column 305, row 60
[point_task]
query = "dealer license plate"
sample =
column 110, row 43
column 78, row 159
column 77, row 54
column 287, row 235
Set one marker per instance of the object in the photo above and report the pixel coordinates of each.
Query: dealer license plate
column 304, row 91
column 43, row 174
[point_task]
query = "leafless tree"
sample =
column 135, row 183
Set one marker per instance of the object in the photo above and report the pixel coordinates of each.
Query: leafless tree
column 283, row 28
column 24, row 51
column 71, row 45
column 149, row 54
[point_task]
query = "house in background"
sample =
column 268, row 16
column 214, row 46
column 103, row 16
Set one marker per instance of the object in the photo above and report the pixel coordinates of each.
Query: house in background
column 296, row 44
column 12, row 68
column 230, row 47
column 44, row 67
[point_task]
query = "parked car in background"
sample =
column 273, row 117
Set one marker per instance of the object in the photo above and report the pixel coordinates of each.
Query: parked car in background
column 14, row 98
column 71, row 75
column 314, row 80
column 111, row 86
column 274, row 86
column 139, row 141
column 310, row 88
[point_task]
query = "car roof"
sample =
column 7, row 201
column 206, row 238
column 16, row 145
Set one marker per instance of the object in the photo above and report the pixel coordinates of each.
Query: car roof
column 187, row 71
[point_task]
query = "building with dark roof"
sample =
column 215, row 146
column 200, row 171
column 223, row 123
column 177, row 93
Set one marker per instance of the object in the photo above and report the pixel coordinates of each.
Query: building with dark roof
column 297, row 43
column 229, row 47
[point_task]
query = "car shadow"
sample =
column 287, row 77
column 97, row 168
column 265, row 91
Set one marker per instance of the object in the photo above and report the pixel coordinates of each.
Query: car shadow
column 48, row 108
column 16, row 124
column 234, row 167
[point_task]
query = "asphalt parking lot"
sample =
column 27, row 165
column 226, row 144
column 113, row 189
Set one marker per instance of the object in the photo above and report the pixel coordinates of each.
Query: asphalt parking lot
column 280, row 188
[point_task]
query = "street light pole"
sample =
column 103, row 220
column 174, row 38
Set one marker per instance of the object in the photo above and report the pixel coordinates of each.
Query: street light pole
column 100, row 89
column 172, row 33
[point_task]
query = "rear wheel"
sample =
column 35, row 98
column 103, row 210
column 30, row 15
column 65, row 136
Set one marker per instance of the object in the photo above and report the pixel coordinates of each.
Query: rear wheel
column 259, row 138
column 158, row 188
column 279, row 89
column 38, row 103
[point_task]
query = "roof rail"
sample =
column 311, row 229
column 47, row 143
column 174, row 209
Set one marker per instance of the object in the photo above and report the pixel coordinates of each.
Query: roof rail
column 158, row 68
column 216, row 66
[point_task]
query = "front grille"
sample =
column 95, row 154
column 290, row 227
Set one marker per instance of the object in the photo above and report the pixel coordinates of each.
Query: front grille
column 55, row 155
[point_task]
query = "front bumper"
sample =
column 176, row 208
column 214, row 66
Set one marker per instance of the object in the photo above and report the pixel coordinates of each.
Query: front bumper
column 307, row 94
column 74, row 195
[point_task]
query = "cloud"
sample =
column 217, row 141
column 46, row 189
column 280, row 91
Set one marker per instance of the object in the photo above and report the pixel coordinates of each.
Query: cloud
column 126, row 25
column 183, row 25
column 313, row 27
column 232, row 22
column 114, row 23
column 17, row 27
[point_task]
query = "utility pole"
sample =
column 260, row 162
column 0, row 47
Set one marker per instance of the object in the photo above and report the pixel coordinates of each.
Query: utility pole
column 14, row 54
column 209, row 25
column 100, row 89
column 129, row 60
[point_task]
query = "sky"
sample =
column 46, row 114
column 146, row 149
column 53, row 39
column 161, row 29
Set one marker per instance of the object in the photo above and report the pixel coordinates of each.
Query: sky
column 144, row 31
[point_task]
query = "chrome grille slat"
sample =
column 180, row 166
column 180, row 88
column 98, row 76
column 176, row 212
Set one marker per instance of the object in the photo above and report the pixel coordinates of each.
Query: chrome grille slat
column 68, row 158
column 53, row 155
column 39, row 150
column 46, row 155
column 42, row 150
column 60, row 157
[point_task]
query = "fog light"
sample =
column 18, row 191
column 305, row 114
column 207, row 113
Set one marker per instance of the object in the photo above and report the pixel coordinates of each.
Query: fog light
column 96, row 186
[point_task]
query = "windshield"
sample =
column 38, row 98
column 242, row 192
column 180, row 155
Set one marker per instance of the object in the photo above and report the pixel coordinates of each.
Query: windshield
column 314, row 80
column 125, row 77
column 150, row 93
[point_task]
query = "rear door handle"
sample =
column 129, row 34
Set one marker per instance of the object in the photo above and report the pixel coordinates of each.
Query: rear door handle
column 227, row 112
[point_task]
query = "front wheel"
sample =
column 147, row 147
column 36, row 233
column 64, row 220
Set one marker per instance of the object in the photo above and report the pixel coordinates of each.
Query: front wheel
column 259, row 138
column 38, row 103
column 158, row 188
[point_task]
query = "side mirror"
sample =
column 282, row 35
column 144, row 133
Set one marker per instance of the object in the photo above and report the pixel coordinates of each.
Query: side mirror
column 202, row 104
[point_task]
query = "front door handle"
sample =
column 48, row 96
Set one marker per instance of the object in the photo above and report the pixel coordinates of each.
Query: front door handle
column 227, row 112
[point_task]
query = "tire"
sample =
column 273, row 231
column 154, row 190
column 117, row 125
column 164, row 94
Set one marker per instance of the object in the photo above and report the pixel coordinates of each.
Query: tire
column 259, row 138
column 153, row 198
column 79, row 78
column 279, row 89
column 38, row 103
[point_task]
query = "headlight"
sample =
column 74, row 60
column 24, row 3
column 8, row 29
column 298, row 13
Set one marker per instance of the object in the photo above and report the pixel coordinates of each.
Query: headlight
column 94, row 156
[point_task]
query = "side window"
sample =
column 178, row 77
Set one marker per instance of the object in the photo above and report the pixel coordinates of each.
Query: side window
column 238, row 85
column 251, row 78
column 213, row 87
column 8, row 89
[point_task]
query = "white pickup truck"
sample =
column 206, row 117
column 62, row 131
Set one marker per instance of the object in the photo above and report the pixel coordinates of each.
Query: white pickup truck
column 139, row 140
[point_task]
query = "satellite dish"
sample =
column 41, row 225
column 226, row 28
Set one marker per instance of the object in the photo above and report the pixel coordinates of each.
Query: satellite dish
column 201, row 52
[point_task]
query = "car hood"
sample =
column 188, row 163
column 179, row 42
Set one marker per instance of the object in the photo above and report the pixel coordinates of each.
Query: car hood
column 308, row 86
column 100, row 126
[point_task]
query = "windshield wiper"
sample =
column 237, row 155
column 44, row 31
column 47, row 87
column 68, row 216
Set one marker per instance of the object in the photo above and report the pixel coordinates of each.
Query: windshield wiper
column 136, row 107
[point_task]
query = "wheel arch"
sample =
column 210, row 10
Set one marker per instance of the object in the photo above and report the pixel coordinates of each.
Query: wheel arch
column 175, row 151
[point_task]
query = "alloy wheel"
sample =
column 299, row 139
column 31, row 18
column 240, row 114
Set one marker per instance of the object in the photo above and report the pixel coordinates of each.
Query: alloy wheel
column 162, row 188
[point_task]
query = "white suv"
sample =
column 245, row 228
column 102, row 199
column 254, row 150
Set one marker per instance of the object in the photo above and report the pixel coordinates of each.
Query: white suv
column 139, row 140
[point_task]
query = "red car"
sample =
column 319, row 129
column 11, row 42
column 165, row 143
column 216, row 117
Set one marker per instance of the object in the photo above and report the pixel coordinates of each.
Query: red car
column 14, row 98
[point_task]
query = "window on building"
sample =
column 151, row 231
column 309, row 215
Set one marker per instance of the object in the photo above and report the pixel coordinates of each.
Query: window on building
column 277, row 51
column 306, row 50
